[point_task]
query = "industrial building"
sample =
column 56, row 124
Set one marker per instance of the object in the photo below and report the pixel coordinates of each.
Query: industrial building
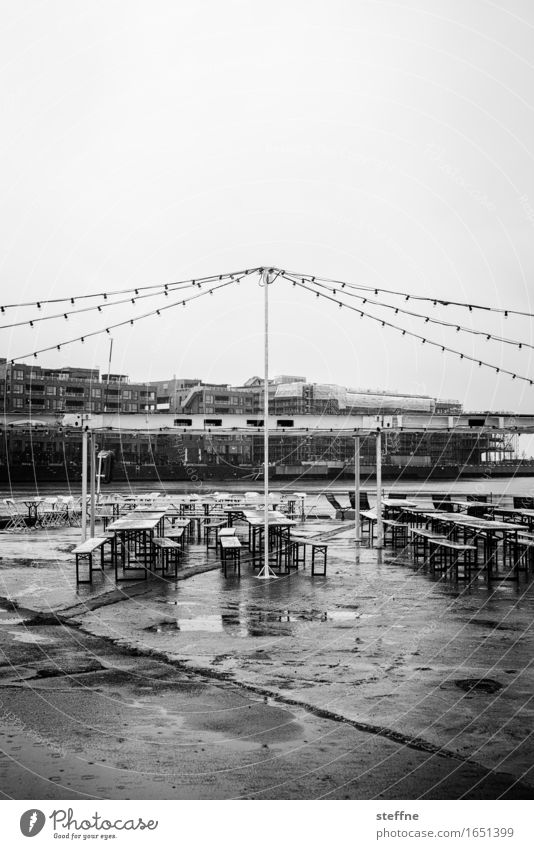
column 39, row 394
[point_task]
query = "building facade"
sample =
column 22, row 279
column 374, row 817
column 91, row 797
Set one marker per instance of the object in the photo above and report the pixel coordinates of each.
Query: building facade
column 29, row 390
column 41, row 394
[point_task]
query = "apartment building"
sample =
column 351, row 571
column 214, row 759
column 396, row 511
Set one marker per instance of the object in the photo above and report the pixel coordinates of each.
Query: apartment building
column 33, row 390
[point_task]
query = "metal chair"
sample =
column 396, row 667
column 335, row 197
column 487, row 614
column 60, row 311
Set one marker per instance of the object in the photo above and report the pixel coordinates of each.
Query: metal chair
column 443, row 503
column 364, row 500
column 16, row 522
column 62, row 509
column 74, row 511
column 48, row 514
column 332, row 500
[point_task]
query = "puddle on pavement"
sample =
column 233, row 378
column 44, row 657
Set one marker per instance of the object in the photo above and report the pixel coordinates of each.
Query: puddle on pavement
column 342, row 615
column 25, row 637
column 493, row 625
column 254, row 622
column 163, row 628
column 7, row 618
column 479, row 685
column 474, row 685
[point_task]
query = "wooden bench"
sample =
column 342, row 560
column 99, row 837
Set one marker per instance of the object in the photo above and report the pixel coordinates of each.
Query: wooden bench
column 212, row 528
column 444, row 555
column 368, row 517
column 230, row 550
column 420, row 541
column 226, row 533
column 438, row 551
column 167, row 552
column 110, row 539
column 85, row 551
column 178, row 535
column 398, row 532
column 519, row 552
column 298, row 545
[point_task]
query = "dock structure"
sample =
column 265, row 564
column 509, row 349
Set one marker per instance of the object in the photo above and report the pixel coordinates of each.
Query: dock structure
column 303, row 425
column 354, row 426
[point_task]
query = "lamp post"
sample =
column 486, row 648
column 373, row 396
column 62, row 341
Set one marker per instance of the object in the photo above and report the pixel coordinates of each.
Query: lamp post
column 85, row 436
column 266, row 572
column 357, row 524
column 92, row 466
column 379, row 521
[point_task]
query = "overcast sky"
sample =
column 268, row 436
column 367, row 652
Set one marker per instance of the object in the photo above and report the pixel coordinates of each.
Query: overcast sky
column 387, row 143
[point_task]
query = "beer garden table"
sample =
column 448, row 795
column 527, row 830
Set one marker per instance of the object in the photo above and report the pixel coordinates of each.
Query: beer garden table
column 134, row 533
column 473, row 528
column 279, row 531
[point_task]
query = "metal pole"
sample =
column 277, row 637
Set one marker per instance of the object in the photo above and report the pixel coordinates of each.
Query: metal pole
column 379, row 525
column 266, row 572
column 108, row 376
column 84, row 484
column 98, row 475
column 357, row 525
column 92, row 485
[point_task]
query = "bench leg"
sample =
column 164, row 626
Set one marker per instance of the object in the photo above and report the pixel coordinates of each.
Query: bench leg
column 89, row 558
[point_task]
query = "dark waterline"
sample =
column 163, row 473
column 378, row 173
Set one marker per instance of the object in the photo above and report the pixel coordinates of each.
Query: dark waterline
column 484, row 486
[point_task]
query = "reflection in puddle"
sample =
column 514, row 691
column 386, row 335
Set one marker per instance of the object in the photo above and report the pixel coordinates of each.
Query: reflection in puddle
column 6, row 619
column 25, row 637
column 342, row 615
column 163, row 627
column 252, row 622
column 202, row 623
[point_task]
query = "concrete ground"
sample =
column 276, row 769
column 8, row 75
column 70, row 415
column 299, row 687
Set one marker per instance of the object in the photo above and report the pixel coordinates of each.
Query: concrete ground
column 378, row 681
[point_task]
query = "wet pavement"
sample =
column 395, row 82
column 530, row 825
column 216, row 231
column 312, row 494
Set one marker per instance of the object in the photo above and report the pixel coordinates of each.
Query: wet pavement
column 376, row 681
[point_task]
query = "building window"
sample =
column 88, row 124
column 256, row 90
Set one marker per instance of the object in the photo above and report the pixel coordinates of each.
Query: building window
column 18, row 374
column 18, row 389
column 97, row 393
column 50, row 390
column 17, row 402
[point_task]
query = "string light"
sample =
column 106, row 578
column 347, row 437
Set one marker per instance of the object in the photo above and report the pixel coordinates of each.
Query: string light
column 407, row 296
column 405, row 332
column 125, row 322
column 428, row 319
column 301, row 282
column 99, row 307
column 70, row 298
